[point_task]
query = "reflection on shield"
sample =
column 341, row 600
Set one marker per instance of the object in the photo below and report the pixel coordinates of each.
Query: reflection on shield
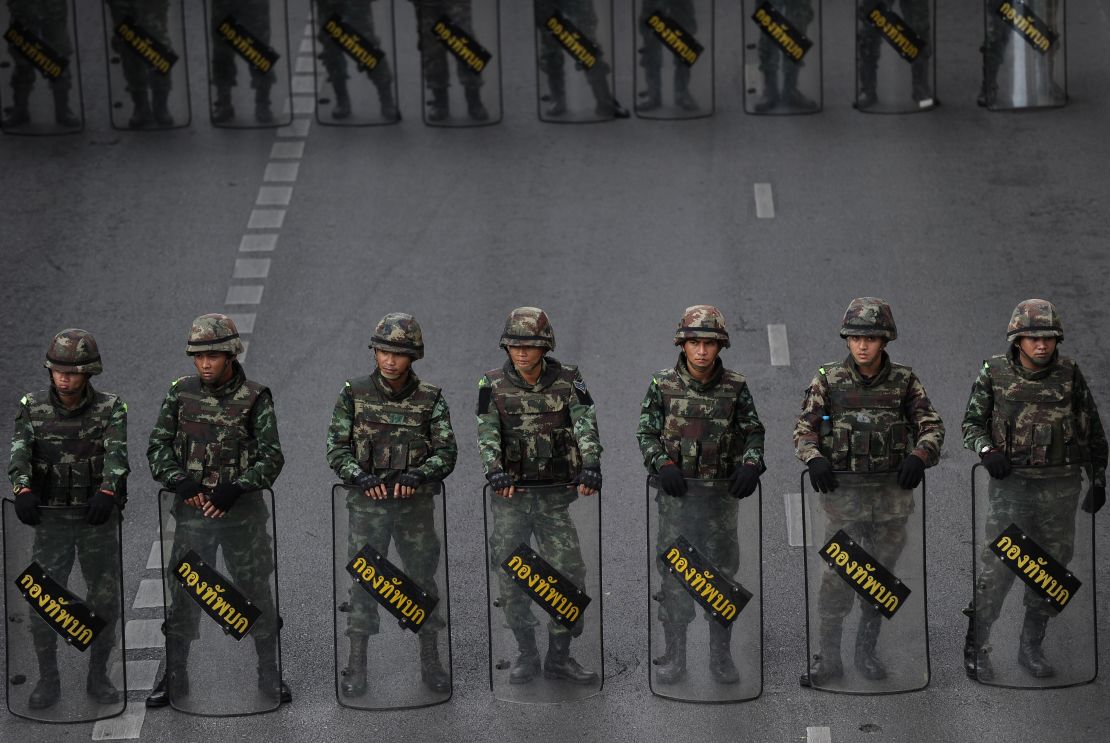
column 867, row 627
column 62, row 606
column 705, row 575
column 460, row 55
column 1034, row 578
column 354, row 48
column 895, row 63
column 40, row 88
column 574, row 42
column 392, row 617
column 1024, row 54
column 674, row 58
column 782, row 56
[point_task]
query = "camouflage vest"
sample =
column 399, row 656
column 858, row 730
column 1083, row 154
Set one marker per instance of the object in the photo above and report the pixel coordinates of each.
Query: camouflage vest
column 1032, row 418
column 391, row 434
column 537, row 434
column 67, row 460
column 867, row 430
column 214, row 441
column 697, row 426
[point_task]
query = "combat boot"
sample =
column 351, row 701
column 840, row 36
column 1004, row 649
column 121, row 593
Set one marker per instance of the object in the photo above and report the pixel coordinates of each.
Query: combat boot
column 48, row 689
column 342, row 109
column 558, row 96
column 771, row 95
column 222, row 110
column 827, row 664
column 867, row 634
column 671, row 666
column 977, row 660
column 721, row 665
column 386, row 102
column 431, row 670
column 174, row 683
column 922, row 91
column 791, row 96
column 1030, row 654
column 527, row 664
column 868, row 80
column 63, row 116
column 475, row 109
column 19, row 113
column 354, row 675
column 560, row 665
column 98, row 685
column 270, row 682
column 141, row 115
column 653, row 96
column 160, row 100
column 439, row 108
column 607, row 105
column 263, row 114
column 682, row 97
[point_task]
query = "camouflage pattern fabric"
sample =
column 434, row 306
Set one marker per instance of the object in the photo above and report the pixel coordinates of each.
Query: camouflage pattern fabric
column 528, row 326
column 651, row 48
column 552, row 55
column 49, row 20
column 799, row 13
column 399, row 332
column 356, row 14
column 214, row 332
column 433, row 53
column 254, row 16
column 153, row 17
column 1035, row 318
column 74, row 350
column 916, row 15
column 701, row 321
column 869, row 316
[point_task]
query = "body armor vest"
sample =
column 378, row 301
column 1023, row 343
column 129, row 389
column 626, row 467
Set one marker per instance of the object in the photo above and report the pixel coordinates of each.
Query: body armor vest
column 537, row 434
column 1032, row 419
column 214, row 440
column 866, row 430
column 67, row 460
column 697, row 426
column 391, row 434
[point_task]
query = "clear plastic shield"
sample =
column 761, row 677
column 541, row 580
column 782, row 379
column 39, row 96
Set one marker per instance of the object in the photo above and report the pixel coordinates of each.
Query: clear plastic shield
column 148, row 76
column 248, row 63
column 355, row 80
column 674, row 42
column 866, row 608
column 219, row 577
column 1024, row 54
column 62, row 608
column 392, row 619
column 1034, row 572
column 574, row 49
column 705, row 575
column 545, row 602
column 460, row 54
column 895, row 63
column 40, row 74
column 782, row 56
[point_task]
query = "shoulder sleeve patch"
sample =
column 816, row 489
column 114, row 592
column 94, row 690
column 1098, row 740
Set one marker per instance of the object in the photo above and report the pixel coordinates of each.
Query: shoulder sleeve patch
column 821, row 371
column 582, row 392
column 347, row 384
column 25, row 400
column 986, row 365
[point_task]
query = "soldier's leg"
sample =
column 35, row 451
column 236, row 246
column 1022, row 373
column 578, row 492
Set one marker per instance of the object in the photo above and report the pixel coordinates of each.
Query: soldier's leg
column 512, row 526
column 867, row 59
column 256, row 15
column 418, row 544
column 885, row 541
column 917, row 17
column 433, row 56
column 551, row 60
column 800, row 13
column 994, row 49
column 53, row 549
column 676, row 608
column 369, row 524
column 157, row 20
column 585, row 17
column 54, row 15
column 224, row 72
column 332, row 57
column 834, row 596
column 98, row 549
column 993, row 580
column 471, row 81
column 135, row 70
column 683, row 13
column 723, row 550
column 651, row 57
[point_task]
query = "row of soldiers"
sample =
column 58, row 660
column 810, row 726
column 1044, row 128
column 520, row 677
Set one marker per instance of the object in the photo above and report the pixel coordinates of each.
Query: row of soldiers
column 215, row 445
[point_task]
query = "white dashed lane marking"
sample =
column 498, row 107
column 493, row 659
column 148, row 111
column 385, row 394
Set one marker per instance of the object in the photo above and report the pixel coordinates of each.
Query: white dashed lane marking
column 149, row 595
column 243, row 320
column 257, row 243
column 764, row 201
column 144, row 633
column 250, row 294
column 127, row 726
column 780, row 347
column 281, row 172
column 818, row 735
column 251, row 268
column 266, row 219
column 274, row 196
column 287, row 151
column 795, row 534
column 299, row 128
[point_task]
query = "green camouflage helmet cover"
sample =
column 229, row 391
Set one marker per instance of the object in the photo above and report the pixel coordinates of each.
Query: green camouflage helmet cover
column 74, row 350
column 701, row 321
column 1035, row 318
column 399, row 332
column 528, row 326
column 869, row 316
column 214, row 332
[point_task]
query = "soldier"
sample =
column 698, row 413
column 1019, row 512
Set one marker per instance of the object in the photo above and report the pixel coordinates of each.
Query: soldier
column 69, row 448
column 356, row 14
column 869, row 39
column 537, row 426
column 995, row 41
column 153, row 17
column 215, row 444
column 679, row 440
column 651, row 55
column 799, row 13
column 254, row 16
column 1030, row 407
column 434, row 56
column 375, row 416
column 865, row 398
column 49, row 21
column 552, row 58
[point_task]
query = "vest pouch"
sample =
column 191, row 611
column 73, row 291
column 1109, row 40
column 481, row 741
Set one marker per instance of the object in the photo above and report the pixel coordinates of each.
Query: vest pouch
column 1074, row 449
column 860, row 449
column 194, row 458
column 381, row 457
column 688, row 453
column 540, row 468
column 998, row 433
column 1042, row 450
column 838, row 445
column 398, row 456
column 709, row 460
column 81, row 483
column 511, row 457
column 418, row 453
column 362, row 454
column 210, row 472
column 248, row 454
column 564, row 463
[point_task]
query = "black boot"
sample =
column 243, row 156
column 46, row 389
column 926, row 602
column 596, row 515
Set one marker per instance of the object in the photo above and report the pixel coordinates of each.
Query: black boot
column 671, row 666
column 385, row 99
column 431, row 669
column 827, row 664
column 527, row 664
column 1030, row 654
column 141, row 115
column 791, row 96
column 160, row 102
column 354, row 675
column 63, row 115
column 771, row 96
column 98, row 685
column 19, row 113
column 174, row 684
column 475, row 109
column 222, row 110
column 682, row 97
column 653, row 96
column 721, row 665
column 607, row 105
column 342, row 108
column 270, row 682
column 977, row 660
column 556, row 83
column 868, row 81
column 49, row 687
column 867, row 634
column 263, row 114
column 560, row 665
column 439, row 108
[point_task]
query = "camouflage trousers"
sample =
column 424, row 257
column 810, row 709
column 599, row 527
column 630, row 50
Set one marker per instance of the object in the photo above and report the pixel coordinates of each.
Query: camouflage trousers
column 152, row 16
column 254, row 16
column 49, row 21
column 708, row 522
column 410, row 524
column 359, row 16
column 434, row 54
column 543, row 515
column 651, row 48
column 552, row 54
column 917, row 17
column 799, row 13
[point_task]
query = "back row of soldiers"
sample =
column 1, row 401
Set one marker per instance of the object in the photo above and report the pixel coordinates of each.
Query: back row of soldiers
column 215, row 447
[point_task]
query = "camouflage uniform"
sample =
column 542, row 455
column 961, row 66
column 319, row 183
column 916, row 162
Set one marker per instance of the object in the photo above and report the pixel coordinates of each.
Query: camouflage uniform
column 552, row 55
column 651, row 51
column 49, row 21
column 997, row 38
column 916, row 14
column 359, row 16
column 799, row 13
column 153, row 17
column 1037, row 418
column 254, row 16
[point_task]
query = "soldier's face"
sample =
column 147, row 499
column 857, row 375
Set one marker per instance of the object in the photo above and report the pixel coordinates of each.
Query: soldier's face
column 212, row 366
column 525, row 358
column 68, row 383
column 701, row 352
column 866, row 350
column 1037, row 350
column 392, row 365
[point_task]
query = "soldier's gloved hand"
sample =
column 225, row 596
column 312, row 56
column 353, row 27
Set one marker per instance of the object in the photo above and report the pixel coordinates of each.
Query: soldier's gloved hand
column 590, row 477
column 743, row 482
column 187, row 488
column 821, row 475
column 910, row 472
column 225, row 494
column 367, row 481
column 499, row 480
column 671, row 480
column 997, row 464
column 27, row 508
column 1096, row 499
column 101, row 505
column 411, row 480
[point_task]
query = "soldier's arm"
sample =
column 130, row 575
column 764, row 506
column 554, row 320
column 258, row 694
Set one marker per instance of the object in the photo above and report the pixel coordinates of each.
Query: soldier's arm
column 489, row 428
column 164, row 466
column 1086, row 413
column 807, row 429
column 750, row 429
column 649, row 433
column 116, row 467
column 583, row 417
column 444, row 450
column 340, row 456
column 977, row 417
column 270, row 459
column 23, row 442
column 926, row 421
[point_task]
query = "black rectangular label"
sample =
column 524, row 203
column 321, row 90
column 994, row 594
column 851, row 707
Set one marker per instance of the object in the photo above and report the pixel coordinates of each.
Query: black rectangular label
column 257, row 54
column 677, row 39
column 896, row 31
column 145, row 46
column 366, row 55
column 1028, row 25
column 396, row 592
column 1037, row 568
column 575, row 43
column 722, row 597
column 793, row 42
column 215, row 594
column 458, row 42
column 66, row 614
column 36, row 51
column 564, row 601
column 865, row 574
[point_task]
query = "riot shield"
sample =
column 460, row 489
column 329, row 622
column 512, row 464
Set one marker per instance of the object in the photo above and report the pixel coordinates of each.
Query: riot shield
column 148, row 77
column 705, row 557
column 895, row 64
column 64, row 634
column 460, row 56
column 392, row 617
column 574, row 42
column 219, row 577
column 40, row 74
column 681, row 32
column 355, row 81
column 865, row 571
column 544, row 586
column 782, row 56
column 248, row 63
column 1037, row 632
column 1024, row 54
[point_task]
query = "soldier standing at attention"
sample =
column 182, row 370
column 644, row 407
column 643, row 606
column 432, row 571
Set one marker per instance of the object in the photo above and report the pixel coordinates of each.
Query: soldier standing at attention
column 359, row 16
column 49, row 20
column 434, row 57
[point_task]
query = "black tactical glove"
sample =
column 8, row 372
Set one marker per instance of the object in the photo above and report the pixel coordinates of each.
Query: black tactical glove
column 590, row 477
column 411, row 480
column 225, row 494
column 186, row 488
column 1096, row 499
column 910, row 472
column 367, row 480
column 821, row 475
column 27, row 508
column 743, row 482
column 101, row 506
column 671, row 480
column 499, row 480
column 997, row 464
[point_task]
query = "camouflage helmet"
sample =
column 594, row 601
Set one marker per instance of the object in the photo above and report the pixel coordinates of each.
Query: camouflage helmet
column 528, row 326
column 399, row 332
column 701, row 321
column 1035, row 318
column 869, row 316
column 74, row 350
column 214, row 332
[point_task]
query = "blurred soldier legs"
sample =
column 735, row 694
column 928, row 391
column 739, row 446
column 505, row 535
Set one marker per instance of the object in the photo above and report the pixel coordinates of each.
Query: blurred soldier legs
column 49, row 20
column 434, row 57
column 651, row 55
column 916, row 15
column 800, row 14
column 583, row 15
column 253, row 15
column 152, row 16
column 356, row 14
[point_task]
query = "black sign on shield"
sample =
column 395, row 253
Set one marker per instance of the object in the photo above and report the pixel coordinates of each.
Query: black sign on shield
column 722, row 597
column 770, row 21
column 143, row 44
column 458, row 42
column 215, row 594
column 554, row 592
column 1038, row 569
column 575, row 43
column 66, row 613
column 257, row 54
column 1027, row 24
column 674, row 37
column 389, row 586
column 866, row 575
column 36, row 51
column 896, row 31
column 350, row 41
